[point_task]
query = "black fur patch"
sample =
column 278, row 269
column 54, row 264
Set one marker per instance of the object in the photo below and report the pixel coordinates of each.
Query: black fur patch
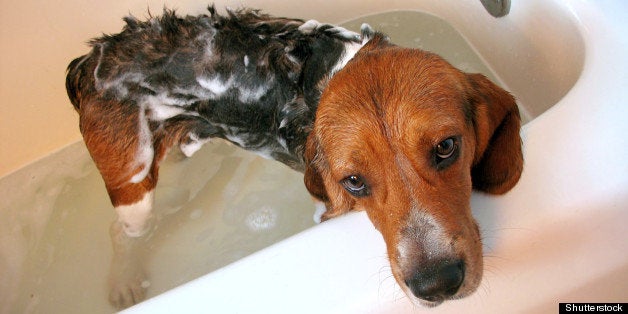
column 253, row 78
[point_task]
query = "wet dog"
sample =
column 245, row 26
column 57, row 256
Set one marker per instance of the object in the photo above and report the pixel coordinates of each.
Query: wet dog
column 393, row 131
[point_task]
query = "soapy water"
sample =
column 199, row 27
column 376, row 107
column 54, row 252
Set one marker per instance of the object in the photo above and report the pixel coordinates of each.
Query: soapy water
column 216, row 207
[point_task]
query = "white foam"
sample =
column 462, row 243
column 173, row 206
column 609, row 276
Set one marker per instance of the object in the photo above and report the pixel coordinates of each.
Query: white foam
column 312, row 25
column 191, row 147
column 262, row 219
column 351, row 48
column 309, row 26
column 250, row 95
column 145, row 152
column 215, row 85
column 163, row 107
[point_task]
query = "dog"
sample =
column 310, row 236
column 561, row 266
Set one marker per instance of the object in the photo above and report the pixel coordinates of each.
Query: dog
column 405, row 136
column 396, row 132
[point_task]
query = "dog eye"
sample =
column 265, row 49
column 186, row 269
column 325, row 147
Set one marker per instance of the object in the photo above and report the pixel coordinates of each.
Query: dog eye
column 446, row 148
column 446, row 152
column 355, row 185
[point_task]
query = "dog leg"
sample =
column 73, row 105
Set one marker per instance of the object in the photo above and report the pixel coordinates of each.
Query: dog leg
column 127, row 158
column 129, row 235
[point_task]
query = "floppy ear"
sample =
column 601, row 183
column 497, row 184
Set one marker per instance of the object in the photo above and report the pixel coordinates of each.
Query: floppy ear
column 313, row 180
column 317, row 176
column 498, row 160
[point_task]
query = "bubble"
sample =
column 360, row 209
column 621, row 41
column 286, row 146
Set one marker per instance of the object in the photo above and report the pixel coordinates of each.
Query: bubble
column 196, row 214
column 262, row 219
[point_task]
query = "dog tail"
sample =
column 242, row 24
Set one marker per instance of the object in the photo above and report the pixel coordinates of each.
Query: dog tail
column 79, row 81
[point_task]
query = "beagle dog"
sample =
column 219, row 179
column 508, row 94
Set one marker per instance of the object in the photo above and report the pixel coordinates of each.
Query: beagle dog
column 393, row 131
column 405, row 136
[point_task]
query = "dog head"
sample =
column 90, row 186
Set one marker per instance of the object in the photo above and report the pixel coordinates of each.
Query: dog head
column 405, row 136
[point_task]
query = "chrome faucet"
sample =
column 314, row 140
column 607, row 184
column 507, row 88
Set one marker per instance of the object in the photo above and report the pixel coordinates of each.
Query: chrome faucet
column 497, row 8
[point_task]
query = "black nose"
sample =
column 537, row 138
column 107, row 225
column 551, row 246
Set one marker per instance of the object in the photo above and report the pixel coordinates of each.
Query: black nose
column 437, row 281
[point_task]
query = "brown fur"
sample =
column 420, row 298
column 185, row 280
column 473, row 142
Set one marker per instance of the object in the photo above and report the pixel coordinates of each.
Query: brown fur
column 380, row 118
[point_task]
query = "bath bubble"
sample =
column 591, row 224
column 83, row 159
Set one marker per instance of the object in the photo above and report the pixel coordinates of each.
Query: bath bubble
column 145, row 284
column 196, row 214
column 262, row 219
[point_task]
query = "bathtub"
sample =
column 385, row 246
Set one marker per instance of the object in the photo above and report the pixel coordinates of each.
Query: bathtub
column 558, row 236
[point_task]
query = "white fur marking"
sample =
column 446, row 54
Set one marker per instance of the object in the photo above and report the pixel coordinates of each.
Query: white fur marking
column 427, row 236
column 320, row 209
column 134, row 217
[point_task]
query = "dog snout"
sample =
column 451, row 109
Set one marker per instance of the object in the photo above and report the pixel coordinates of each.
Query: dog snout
column 437, row 282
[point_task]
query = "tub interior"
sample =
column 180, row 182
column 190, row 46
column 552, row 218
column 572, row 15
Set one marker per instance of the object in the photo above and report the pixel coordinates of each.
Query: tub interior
column 217, row 207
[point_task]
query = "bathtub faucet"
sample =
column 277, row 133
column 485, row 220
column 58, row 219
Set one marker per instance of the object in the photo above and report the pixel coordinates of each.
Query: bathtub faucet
column 497, row 8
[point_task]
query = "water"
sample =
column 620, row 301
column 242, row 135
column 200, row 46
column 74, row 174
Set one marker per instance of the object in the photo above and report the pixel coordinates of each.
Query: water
column 217, row 207
column 427, row 32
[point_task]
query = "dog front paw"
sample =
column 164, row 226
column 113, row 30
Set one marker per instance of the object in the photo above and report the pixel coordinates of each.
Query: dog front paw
column 127, row 288
column 319, row 212
column 323, row 212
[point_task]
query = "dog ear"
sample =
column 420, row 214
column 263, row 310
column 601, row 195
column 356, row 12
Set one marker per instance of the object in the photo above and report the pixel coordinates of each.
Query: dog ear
column 317, row 177
column 313, row 180
column 498, row 160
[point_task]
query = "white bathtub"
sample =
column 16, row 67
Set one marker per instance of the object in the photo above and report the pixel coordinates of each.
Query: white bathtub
column 558, row 236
